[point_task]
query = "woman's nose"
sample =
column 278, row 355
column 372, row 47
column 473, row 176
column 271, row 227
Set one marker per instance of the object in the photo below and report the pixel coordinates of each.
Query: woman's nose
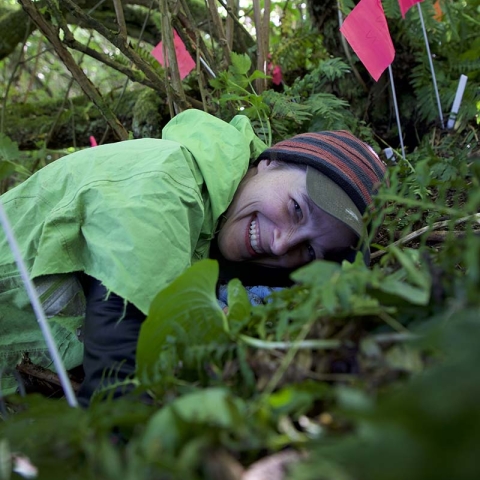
column 282, row 242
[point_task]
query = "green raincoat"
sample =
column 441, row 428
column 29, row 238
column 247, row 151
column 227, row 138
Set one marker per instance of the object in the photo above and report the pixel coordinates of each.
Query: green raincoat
column 132, row 214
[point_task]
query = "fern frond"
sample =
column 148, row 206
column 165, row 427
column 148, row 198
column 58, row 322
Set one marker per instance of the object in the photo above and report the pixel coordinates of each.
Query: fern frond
column 285, row 107
column 327, row 71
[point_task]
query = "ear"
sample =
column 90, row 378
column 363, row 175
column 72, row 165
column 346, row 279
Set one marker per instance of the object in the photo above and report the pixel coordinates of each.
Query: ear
column 265, row 163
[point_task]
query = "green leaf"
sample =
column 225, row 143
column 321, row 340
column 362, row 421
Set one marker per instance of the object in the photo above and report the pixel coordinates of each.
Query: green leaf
column 239, row 307
column 185, row 312
column 5, row 460
column 316, row 273
column 410, row 262
column 412, row 283
column 257, row 74
column 296, row 399
column 8, row 148
column 240, row 63
column 414, row 295
column 6, row 168
column 212, row 408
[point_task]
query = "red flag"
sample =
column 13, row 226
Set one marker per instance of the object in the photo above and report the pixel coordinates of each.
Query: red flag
column 185, row 61
column 405, row 5
column 366, row 30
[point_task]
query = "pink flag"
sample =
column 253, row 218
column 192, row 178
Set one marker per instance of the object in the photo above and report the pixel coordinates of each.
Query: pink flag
column 405, row 5
column 366, row 30
column 185, row 61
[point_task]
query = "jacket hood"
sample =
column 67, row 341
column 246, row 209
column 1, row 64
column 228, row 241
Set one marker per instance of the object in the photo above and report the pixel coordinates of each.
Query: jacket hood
column 229, row 144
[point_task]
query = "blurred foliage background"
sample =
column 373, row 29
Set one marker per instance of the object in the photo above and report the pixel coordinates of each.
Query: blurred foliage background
column 354, row 373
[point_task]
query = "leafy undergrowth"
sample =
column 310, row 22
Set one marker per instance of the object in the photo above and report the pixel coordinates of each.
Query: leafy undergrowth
column 354, row 373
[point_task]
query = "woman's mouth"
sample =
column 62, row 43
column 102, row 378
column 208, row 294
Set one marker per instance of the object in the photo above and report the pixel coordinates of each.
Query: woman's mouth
column 254, row 237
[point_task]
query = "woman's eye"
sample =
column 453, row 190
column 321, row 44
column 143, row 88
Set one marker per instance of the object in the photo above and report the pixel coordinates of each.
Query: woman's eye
column 298, row 209
column 311, row 253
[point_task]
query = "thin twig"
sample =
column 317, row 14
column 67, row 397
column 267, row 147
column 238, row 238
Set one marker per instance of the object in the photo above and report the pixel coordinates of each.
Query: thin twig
column 201, row 80
column 266, row 37
column 120, row 19
column 12, row 76
column 189, row 34
column 417, row 233
column 184, row 23
column 33, row 74
column 231, row 14
column 130, row 73
column 230, row 25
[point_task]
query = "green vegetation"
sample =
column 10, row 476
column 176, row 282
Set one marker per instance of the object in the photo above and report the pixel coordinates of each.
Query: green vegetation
column 354, row 373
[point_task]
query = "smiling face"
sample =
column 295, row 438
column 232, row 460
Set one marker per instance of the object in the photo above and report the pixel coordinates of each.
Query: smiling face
column 271, row 221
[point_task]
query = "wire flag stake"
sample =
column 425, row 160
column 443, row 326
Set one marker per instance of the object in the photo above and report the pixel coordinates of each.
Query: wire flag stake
column 397, row 114
column 434, row 78
column 39, row 313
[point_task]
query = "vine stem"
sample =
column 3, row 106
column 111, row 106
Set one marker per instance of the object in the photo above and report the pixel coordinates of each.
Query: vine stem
column 287, row 360
column 323, row 344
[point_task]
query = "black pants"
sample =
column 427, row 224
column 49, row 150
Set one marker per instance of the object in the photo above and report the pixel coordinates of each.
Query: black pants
column 110, row 336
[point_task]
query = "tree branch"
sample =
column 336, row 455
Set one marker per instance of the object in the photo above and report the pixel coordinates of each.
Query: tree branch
column 114, row 39
column 219, row 32
column 173, row 81
column 77, row 73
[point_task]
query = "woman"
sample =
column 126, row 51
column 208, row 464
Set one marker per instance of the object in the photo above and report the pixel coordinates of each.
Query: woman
column 104, row 230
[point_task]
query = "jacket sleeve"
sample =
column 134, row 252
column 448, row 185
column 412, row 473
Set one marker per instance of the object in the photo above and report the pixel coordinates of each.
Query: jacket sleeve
column 110, row 337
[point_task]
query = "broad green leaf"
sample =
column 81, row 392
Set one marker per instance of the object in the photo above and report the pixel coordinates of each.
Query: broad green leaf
column 316, row 273
column 212, row 408
column 186, row 311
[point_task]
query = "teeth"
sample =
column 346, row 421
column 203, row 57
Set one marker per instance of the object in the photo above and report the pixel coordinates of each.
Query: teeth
column 254, row 237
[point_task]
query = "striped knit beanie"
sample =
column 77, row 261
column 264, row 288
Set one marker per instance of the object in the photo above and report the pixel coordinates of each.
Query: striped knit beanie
column 343, row 173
